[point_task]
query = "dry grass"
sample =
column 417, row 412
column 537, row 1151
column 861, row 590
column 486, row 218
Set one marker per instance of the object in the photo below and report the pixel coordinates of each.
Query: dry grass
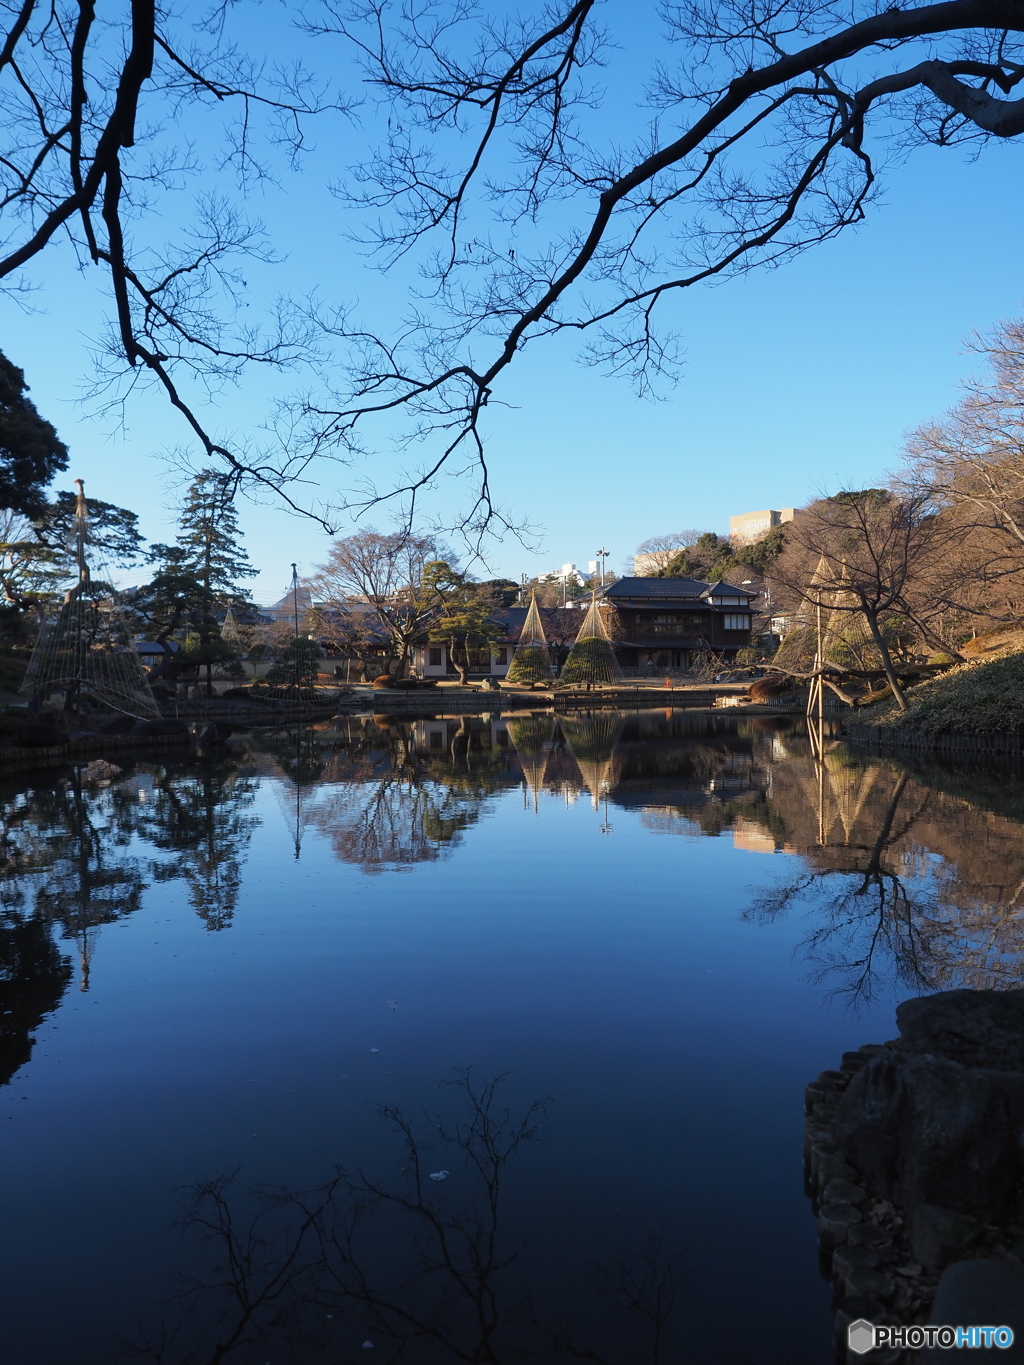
column 976, row 698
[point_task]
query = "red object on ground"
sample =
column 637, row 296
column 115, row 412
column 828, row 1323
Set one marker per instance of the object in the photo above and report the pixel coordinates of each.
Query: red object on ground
column 668, row 682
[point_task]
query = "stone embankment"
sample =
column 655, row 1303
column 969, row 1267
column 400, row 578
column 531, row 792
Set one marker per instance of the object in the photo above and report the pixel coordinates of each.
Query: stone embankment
column 915, row 1167
column 942, row 741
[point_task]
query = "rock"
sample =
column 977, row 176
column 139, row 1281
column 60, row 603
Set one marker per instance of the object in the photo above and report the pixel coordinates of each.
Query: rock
column 850, row 1310
column 843, row 1192
column 924, row 1129
column 984, row 1294
column 940, row 1235
column 216, row 733
column 869, row 1235
column 166, row 726
column 868, row 1282
column 39, row 736
column 119, row 725
column 835, row 1168
column 974, row 1028
column 834, row 1221
column 848, row 1258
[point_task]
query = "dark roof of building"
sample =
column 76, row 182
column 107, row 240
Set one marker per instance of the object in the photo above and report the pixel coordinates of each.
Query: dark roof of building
column 662, row 589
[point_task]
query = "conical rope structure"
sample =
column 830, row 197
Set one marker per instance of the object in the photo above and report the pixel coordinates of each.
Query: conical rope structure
column 295, row 675
column 532, row 738
column 531, row 662
column 84, row 647
column 845, row 640
column 230, row 634
column 592, row 658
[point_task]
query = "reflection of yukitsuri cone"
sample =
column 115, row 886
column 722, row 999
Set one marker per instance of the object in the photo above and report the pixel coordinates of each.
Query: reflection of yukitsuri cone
column 532, row 738
column 531, row 662
column 85, row 645
column 592, row 658
column 849, row 786
column 592, row 740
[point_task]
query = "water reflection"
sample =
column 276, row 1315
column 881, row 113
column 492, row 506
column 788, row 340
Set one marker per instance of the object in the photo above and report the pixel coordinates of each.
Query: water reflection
column 416, row 1263
column 875, row 870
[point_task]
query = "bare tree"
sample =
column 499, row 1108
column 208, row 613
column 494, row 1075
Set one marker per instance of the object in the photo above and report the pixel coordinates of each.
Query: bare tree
column 96, row 146
column 760, row 146
column 386, row 572
column 971, row 463
column 493, row 177
column 870, row 555
column 658, row 551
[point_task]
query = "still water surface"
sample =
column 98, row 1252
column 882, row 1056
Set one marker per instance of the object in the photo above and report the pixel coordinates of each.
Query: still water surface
column 252, row 1003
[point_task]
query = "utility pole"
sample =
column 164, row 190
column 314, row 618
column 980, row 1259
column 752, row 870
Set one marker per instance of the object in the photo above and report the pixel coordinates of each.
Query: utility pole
column 602, row 555
column 295, row 612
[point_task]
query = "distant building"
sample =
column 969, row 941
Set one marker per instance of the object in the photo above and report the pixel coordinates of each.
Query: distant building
column 749, row 526
column 568, row 572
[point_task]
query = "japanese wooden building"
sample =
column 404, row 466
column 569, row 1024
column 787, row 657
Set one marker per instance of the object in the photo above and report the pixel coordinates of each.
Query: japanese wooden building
column 660, row 622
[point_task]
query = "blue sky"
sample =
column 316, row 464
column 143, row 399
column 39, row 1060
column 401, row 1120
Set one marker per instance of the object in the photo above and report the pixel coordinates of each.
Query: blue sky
column 797, row 380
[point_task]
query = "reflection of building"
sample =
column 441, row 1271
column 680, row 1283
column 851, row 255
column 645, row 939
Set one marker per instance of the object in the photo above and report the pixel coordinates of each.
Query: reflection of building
column 750, row 526
column 662, row 621
column 751, row 837
column 434, row 736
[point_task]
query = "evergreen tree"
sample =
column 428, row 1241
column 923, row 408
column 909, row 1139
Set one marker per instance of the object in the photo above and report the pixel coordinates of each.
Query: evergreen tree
column 30, row 450
column 209, row 550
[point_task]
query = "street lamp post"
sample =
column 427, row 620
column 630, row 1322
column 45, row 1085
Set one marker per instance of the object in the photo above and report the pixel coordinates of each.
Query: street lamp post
column 295, row 612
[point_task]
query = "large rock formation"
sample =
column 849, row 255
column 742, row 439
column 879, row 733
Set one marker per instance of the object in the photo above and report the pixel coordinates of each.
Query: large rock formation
column 937, row 1117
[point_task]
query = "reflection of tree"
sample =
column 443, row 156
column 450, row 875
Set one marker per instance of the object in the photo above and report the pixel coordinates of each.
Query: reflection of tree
column 201, row 817
column 890, row 907
column 386, row 807
column 90, row 880
column 34, row 975
column 422, row 1268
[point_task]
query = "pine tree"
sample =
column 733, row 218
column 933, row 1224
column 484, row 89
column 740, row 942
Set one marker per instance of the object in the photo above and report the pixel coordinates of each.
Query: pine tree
column 209, row 548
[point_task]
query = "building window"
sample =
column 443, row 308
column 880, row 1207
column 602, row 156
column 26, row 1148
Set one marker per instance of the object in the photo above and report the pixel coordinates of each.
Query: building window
column 663, row 624
column 737, row 622
column 435, row 658
column 436, row 739
column 501, row 656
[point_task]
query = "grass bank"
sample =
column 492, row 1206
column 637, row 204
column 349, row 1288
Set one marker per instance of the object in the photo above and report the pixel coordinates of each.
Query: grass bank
column 984, row 698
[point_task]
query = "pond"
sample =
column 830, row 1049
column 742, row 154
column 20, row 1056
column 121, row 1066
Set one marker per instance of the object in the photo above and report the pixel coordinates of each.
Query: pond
column 460, row 1038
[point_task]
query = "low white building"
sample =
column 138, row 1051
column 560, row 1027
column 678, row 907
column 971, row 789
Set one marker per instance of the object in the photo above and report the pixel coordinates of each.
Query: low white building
column 431, row 661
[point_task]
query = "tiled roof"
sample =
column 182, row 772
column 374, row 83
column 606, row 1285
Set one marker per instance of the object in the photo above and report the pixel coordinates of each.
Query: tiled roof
column 665, row 589
column 655, row 587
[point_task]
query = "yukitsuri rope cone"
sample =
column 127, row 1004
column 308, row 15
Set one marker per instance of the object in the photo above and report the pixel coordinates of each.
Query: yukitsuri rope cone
column 845, row 638
column 84, row 648
column 294, row 676
column 531, row 662
column 592, row 658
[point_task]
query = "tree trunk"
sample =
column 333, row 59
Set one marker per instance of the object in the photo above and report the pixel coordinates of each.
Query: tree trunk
column 461, row 668
column 871, row 616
